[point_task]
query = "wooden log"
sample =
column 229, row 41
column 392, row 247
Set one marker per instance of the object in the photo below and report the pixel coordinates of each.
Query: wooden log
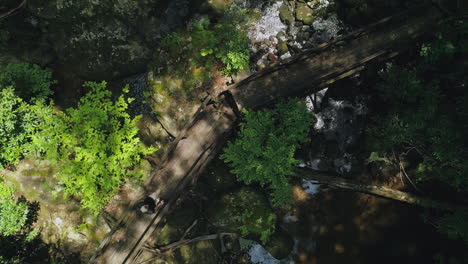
column 318, row 68
column 349, row 185
column 191, row 152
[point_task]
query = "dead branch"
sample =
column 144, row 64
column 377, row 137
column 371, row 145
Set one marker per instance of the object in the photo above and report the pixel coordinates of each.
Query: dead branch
column 12, row 11
column 188, row 229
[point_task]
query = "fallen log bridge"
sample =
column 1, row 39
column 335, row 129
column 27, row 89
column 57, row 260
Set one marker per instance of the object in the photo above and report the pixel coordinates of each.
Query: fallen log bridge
column 207, row 131
column 381, row 191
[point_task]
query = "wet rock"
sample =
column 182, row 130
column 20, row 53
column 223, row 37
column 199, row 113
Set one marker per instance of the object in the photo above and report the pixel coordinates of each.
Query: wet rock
column 285, row 56
column 259, row 255
column 286, row 14
column 304, row 13
column 262, row 34
column 282, row 48
column 272, row 57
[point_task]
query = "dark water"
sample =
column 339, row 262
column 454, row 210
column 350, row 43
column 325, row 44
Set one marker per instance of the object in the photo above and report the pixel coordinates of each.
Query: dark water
column 359, row 228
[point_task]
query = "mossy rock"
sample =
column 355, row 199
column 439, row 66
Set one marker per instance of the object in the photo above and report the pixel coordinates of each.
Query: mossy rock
column 304, row 13
column 286, row 15
column 244, row 210
column 280, row 244
column 282, row 47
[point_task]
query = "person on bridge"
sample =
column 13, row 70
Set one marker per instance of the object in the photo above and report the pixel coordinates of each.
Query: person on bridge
column 148, row 206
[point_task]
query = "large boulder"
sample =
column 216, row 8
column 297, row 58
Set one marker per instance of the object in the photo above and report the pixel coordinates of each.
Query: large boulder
column 286, row 14
column 304, row 13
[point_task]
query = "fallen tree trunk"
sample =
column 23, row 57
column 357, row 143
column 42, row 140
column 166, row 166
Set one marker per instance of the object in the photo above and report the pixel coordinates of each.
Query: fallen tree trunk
column 195, row 146
column 317, row 68
column 349, row 185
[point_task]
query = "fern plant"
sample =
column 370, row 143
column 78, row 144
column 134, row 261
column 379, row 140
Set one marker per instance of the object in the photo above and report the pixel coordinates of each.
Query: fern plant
column 206, row 45
column 94, row 146
column 13, row 214
column 264, row 150
column 29, row 80
column 19, row 120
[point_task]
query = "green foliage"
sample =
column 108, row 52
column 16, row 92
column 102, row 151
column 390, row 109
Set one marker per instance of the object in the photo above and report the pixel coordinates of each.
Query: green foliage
column 206, row 45
column 427, row 109
column 246, row 211
column 29, row 80
column 18, row 122
column 94, row 145
column 264, row 151
column 426, row 114
column 455, row 225
column 13, row 214
column 266, row 227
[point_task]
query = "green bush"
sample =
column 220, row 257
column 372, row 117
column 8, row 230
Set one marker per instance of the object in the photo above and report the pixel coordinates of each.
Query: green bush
column 94, row 146
column 206, row 45
column 455, row 225
column 13, row 214
column 264, row 150
column 426, row 104
column 245, row 211
column 427, row 110
column 18, row 122
column 29, row 80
